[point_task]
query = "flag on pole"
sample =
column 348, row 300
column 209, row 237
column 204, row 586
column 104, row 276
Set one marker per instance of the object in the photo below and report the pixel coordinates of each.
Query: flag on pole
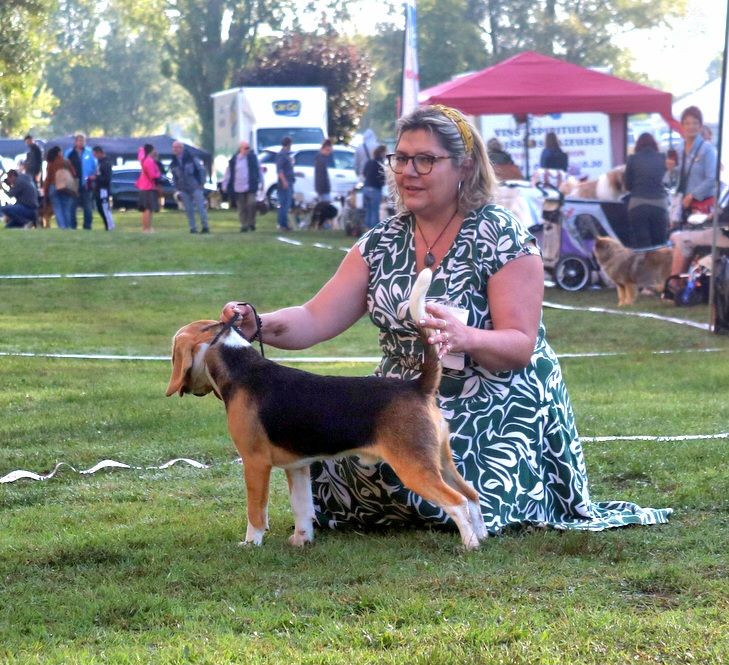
column 410, row 75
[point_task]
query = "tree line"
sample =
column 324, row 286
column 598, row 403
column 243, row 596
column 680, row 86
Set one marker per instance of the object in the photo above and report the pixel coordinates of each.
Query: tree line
column 126, row 67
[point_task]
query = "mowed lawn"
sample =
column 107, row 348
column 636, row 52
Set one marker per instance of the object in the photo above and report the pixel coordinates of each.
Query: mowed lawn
column 143, row 565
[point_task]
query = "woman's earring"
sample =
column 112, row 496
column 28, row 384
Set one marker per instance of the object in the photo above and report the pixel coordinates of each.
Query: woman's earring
column 460, row 188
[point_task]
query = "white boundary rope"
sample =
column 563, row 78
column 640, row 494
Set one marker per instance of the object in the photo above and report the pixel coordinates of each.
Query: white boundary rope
column 88, row 275
column 642, row 315
column 104, row 464
column 22, row 474
column 325, row 360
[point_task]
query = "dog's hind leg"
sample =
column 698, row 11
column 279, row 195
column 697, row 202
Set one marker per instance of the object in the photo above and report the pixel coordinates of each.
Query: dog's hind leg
column 453, row 478
column 302, row 505
column 421, row 477
column 257, row 476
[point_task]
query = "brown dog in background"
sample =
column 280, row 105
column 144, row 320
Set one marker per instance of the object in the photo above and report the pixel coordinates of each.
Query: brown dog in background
column 632, row 270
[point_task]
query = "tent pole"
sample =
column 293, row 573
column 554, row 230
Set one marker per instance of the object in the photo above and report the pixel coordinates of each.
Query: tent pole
column 715, row 220
column 526, row 146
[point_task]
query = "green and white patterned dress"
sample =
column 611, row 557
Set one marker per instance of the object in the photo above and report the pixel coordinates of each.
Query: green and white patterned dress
column 513, row 433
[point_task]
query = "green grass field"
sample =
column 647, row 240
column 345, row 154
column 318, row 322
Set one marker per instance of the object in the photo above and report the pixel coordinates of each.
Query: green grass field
column 142, row 565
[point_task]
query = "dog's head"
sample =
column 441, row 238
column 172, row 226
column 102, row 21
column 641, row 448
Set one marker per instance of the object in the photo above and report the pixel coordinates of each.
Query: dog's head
column 606, row 247
column 616, row 178
column 188, row 358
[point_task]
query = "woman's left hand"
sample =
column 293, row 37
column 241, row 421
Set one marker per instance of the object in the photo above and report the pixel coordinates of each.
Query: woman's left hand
column 445, row 330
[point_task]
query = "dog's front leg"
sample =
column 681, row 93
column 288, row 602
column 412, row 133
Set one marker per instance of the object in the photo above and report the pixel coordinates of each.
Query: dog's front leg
column 302, row 505
column 257, row 476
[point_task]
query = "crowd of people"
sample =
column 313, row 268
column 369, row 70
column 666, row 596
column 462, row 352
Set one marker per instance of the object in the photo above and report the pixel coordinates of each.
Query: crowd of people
column 75, row 178
column 81, row 176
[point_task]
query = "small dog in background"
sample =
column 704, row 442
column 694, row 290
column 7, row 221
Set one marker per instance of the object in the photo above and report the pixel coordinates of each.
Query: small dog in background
column 45, row 214
column 323, row 213
column 632, row 270
column 608, row 186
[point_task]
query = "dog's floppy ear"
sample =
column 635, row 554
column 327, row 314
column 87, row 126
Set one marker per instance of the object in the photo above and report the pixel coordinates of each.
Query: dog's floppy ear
column 181, row 364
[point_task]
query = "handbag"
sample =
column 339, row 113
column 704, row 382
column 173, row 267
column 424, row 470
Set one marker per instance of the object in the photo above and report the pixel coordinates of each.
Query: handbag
column 66, row 183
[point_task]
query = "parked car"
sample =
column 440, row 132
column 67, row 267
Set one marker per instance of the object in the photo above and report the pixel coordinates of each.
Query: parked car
column 124, row 193
column 341, row 172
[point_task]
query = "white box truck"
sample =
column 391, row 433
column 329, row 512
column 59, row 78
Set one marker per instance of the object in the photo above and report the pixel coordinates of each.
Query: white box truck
column 264, row 115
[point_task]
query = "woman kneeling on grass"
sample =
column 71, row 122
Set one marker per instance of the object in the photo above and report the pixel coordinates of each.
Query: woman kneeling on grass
column 512, row 428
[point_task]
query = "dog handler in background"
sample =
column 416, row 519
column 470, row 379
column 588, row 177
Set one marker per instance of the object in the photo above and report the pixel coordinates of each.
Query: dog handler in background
column 648, row 205
column 512, row 429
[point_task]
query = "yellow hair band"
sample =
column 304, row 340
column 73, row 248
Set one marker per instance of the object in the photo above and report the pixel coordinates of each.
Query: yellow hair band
column 461, row 125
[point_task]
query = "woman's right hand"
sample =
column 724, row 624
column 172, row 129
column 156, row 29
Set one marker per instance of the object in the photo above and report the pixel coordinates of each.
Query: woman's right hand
column 243, row 312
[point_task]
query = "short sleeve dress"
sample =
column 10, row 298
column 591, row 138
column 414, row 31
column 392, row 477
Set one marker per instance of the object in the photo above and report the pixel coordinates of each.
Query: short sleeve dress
column 513, row 433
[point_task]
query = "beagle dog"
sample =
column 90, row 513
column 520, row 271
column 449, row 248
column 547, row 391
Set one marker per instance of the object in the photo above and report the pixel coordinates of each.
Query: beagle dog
column 274, row 422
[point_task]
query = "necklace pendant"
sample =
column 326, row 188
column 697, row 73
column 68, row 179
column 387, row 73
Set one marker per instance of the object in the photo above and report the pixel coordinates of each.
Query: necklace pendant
column 429, row 259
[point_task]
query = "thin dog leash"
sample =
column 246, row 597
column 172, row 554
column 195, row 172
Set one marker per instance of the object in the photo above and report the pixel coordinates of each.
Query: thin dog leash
column 231, row 325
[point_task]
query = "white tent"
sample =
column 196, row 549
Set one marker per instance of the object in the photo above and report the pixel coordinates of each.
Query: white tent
column 707, row 98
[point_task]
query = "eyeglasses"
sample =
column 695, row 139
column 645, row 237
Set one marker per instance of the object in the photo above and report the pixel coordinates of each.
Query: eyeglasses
column 422, row 163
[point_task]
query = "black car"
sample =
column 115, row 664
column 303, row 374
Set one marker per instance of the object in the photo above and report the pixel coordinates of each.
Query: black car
column 124, row 193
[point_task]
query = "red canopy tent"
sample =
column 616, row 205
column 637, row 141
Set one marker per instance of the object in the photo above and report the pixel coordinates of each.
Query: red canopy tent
column 531, row 83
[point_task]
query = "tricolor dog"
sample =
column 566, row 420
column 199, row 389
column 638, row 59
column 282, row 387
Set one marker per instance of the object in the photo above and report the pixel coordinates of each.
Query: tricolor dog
column 284, row 417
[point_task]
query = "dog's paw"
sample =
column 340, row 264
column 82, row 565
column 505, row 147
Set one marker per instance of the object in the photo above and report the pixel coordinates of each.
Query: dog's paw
column 254, row 536
column 300, row 538
column 250, row 543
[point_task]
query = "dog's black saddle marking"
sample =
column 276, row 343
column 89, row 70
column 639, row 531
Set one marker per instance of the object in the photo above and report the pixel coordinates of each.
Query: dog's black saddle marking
column 310, row 414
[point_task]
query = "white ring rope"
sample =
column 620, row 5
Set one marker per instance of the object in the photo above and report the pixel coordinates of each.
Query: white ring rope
column 88, row 275
column 327, row 360
column 642, row 315
column 104, row 464
column 22, row 474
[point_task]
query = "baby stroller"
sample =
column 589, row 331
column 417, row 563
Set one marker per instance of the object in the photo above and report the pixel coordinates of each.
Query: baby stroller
column 567, row 233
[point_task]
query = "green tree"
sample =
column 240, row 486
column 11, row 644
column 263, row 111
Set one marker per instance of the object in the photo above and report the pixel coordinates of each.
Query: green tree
column 318, row 60
column 579, row 31
column 24, row 98
column 111, row 85
column 450, row 41
column 207, row 42
column 457, row 36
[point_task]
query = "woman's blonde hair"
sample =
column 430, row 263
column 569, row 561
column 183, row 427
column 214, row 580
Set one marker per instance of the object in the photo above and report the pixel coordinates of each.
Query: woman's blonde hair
column 477, row 186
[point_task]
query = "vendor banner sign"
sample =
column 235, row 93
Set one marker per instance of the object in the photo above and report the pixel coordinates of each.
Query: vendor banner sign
column 585, row 137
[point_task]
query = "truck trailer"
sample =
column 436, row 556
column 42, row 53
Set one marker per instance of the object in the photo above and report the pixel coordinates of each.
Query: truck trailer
column 264, row 115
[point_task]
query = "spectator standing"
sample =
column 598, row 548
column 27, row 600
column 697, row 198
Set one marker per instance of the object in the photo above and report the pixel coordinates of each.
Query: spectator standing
column 147, row 185
column 33, row 160
column 322, row 185
column 697, row 165
column 25, row 209
column 188, row 176
column 553, row 157
column 364, row 151
column 241, row 182
column 84, row 164
column 285, row 171
column 374, row 181
column 102, row 186
column 648, row 205
column 61, row 199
